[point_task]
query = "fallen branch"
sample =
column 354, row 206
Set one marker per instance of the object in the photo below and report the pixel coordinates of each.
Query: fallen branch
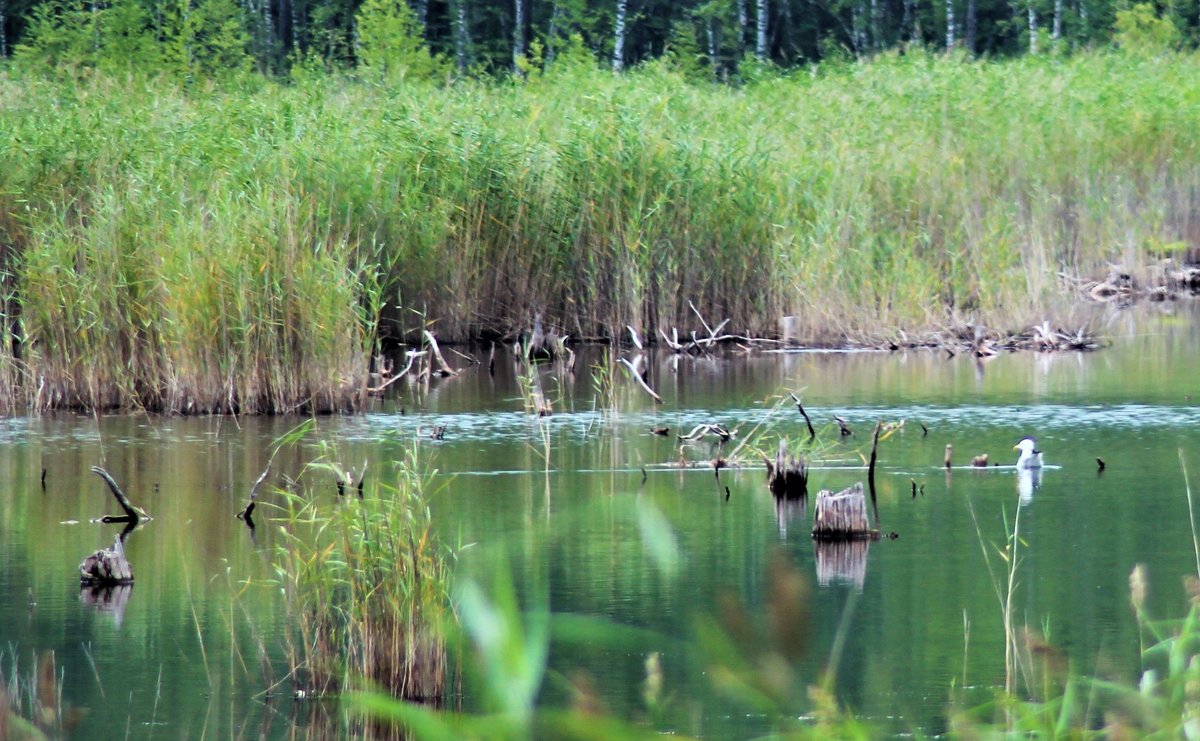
column 132, row 514
column 812, row 434
column 412, row 356
column 444, row 368
column 637, row 376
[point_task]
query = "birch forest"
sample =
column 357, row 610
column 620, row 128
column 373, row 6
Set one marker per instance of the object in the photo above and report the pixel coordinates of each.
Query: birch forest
column 716, row 39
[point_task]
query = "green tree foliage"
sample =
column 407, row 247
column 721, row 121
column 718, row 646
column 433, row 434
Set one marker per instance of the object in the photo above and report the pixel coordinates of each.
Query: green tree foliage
column 403, row 39
column 391, row 48
column 1140, row 29
column 192, row 38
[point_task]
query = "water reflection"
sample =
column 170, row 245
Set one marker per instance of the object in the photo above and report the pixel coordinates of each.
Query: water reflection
column 842, row 561
column 1029, row 480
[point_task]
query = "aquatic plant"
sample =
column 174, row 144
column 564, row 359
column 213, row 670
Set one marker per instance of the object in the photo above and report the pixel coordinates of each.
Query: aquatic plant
column 365, row 583
column 199, row 249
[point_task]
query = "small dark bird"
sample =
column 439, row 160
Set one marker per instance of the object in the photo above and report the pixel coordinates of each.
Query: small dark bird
column 1100, row 464
column 661, row 430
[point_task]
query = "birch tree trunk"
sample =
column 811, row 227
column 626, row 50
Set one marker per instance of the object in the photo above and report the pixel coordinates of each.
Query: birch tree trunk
column 949, row 25
column 876, row 29
column 711, row 34
column 518, row 48
column 462, row 38
column 552, row 33
column 618, row 58
column 906, row 23
column 423, row 16
column 760, row 45
column 1033, row 30
column 971, row 27
column 742, row 23
column 3, row 36
column 1056, row 31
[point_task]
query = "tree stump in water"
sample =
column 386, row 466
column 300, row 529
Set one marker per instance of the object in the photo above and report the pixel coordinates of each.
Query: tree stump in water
column 106, row 567
column 787, row 475
column 842, row 515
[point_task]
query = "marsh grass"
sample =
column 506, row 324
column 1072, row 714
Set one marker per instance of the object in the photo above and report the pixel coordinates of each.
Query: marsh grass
column 208, row 250
column 365, row 583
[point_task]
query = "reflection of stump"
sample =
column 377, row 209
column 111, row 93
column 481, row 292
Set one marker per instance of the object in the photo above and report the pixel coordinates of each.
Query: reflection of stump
column 842, row 515
column 109, row 599
column 842, row 561
column 106, row 567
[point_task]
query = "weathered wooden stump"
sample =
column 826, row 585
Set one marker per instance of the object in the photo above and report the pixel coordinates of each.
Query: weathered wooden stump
column 106, row 567
column 787, row 475
column 843, row 515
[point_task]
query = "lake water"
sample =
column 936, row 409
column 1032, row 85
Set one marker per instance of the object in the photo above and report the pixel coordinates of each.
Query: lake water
column 907, row 626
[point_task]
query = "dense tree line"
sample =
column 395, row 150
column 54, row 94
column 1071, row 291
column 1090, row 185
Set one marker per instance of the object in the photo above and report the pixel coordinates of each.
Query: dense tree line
column 713, row 38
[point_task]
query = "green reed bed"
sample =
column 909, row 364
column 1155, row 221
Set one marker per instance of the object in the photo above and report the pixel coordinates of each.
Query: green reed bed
column 365, row 583
column 213, row 248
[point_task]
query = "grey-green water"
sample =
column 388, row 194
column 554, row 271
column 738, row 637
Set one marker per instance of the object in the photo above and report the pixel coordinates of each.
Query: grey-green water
column 564, row 500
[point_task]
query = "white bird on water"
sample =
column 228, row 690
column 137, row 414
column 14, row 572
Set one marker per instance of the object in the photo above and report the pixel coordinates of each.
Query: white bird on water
column 1031, row 457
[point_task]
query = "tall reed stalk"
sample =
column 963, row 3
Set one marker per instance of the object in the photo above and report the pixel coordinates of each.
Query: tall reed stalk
column 366, row 584
column 202, row 249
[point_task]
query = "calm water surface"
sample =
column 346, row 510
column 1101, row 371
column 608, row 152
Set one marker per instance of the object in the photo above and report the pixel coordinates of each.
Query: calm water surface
column 562, row 501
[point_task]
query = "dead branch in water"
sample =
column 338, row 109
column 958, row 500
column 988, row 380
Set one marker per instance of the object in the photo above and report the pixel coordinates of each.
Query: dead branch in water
column 132, row 514
column 871, row 469
column 812, row 434
column 640, row 377
column 444, row 368
column 412, row 356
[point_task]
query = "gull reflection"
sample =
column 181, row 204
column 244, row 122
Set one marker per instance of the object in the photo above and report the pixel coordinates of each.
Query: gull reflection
column 1029, row 480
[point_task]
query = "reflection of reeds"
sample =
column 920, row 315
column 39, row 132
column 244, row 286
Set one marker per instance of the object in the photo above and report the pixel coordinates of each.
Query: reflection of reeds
column 366, row 586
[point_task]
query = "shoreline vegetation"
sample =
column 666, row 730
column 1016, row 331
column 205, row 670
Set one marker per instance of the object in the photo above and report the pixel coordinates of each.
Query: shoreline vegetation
column 250, row 248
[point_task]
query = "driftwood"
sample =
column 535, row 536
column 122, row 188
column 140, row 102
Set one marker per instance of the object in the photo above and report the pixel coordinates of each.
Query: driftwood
column 787, row 475
column 248, row 510
column 871, row 469
column 812, row 434
column 351, row 480
column 412, row 357
column 843, row 426
column 639, row 375
column 842, row 515
column 443, row 368
column 701, row 430
column 132, row 514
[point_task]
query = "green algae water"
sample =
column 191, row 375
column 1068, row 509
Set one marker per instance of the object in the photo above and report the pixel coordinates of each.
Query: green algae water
column 907, row 628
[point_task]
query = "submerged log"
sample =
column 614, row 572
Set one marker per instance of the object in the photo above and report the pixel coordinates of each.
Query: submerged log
column 787, row 475
column 842, row 515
